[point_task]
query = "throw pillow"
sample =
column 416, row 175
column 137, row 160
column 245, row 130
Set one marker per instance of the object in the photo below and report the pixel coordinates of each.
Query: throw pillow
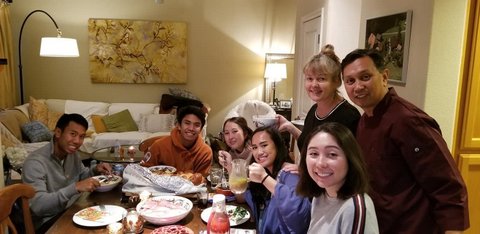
column 157, row 122
column 53, row 117
column 38, row 110
column 36, row 131
column 183, row 93
column 120, row 122
column 98, row 123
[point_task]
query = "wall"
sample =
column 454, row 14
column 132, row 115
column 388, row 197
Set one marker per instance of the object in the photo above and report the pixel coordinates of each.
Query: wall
column 227, row 40
column 444, row 65
column 433, row 66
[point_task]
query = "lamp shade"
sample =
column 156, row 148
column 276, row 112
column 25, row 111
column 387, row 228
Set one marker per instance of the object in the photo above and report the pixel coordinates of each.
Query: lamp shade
column 58, row 47
column 276, row 71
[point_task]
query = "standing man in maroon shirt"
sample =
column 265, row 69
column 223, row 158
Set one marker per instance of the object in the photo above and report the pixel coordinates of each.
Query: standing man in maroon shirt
column 416, row 186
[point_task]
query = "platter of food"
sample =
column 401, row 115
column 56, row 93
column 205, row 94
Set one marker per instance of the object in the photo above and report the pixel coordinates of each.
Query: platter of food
column 96, row 216
column 162, row 170
column 172, row 229
column 236, row 214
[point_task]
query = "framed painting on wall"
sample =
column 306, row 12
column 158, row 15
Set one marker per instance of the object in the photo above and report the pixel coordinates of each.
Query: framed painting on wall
column 137, row 51
column 390, row 35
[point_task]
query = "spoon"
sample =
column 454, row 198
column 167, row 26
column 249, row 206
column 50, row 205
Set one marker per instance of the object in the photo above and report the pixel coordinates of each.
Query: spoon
column 146, row 157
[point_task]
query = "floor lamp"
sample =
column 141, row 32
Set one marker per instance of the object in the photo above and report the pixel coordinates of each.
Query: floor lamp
column 49, row 47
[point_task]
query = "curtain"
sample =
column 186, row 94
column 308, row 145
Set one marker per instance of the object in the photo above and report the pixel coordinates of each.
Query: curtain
column 8, row 85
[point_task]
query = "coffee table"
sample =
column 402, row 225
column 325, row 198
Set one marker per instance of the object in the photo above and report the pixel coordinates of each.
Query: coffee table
column 108, row 155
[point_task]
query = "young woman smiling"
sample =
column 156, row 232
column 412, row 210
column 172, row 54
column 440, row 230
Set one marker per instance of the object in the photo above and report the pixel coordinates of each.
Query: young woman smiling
column 271, row 193
column 333, row 172
column 237, row 135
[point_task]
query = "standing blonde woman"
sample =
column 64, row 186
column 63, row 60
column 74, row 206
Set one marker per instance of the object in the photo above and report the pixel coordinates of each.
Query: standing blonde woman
column 322, row 79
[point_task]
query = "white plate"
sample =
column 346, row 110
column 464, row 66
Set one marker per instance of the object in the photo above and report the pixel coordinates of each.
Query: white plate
column 162, row 167
column 206, row 215
column 112, row 214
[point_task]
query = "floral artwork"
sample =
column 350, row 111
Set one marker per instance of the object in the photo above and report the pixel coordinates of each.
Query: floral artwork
column 136, row 51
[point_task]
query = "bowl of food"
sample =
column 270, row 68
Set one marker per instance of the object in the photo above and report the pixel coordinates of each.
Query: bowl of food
column 263, row 121
column 162, row 170
column 163, row 210
column 107, row 182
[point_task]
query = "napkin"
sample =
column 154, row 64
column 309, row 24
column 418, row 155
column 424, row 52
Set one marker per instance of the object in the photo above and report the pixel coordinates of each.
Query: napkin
column 138, row 179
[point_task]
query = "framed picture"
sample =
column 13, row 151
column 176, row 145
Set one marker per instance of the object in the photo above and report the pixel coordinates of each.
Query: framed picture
column 390, row 35
column 287, row 104
column 137, row 51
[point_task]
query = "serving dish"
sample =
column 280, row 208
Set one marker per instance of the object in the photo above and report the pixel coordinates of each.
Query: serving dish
column 164, row 210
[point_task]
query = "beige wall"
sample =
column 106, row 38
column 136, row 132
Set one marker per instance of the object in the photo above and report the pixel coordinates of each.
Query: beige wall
column 435, row 46
column 445, row 57
column 227, row 40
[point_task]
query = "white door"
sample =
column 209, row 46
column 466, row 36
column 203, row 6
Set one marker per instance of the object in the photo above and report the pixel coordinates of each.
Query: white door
column 311, row 39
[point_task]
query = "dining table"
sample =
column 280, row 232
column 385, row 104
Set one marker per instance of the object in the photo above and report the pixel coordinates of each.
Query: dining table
column 65, row 223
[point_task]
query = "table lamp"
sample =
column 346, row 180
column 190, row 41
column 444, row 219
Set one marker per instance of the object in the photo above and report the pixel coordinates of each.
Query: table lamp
column 275, row 72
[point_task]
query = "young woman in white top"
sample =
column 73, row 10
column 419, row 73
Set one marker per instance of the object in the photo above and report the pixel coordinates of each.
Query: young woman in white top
column 332, row 171
column 237, row 136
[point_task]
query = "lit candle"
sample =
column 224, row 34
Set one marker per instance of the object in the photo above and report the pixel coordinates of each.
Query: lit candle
column 131, row 152
column 115, row 228
column 133, row 222
column 144, row 195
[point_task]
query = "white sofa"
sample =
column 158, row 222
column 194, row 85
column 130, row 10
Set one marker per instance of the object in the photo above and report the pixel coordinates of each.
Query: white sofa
column 146, row 116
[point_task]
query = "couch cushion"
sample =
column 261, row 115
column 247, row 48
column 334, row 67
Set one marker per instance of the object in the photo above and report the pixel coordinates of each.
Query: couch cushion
column 98, row 123
column 157, row 123
column 8, row 139
column 38, row 110
column 57, row 105
column 120, row 122
column 53, row 117
column 136, row 109
column 183, row 93
column 36, row 131
column 13, row 119
column 168, row 102
column 86, row 109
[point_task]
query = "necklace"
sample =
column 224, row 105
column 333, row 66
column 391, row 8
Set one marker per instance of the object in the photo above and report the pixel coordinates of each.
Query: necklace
column 329, row 113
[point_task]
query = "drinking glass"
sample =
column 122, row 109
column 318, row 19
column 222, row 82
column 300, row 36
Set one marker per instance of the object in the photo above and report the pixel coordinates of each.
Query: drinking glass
column 202, row 199
column 215, row 176
column 238, row 176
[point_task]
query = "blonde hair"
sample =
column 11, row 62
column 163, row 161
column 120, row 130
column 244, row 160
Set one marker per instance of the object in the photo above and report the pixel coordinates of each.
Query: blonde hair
column 326, row 61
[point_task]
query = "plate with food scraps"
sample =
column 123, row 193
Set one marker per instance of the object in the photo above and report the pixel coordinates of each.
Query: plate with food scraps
column 96, row 216
column 162, row 170
column 236, row 214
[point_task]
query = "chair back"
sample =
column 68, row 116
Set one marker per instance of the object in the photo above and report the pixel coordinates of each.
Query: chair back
column 145, row 144
column 8, row 196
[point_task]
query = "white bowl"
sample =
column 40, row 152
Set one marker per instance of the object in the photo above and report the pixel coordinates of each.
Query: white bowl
column 106, row 184
column 261, row 121
column 164, row 210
